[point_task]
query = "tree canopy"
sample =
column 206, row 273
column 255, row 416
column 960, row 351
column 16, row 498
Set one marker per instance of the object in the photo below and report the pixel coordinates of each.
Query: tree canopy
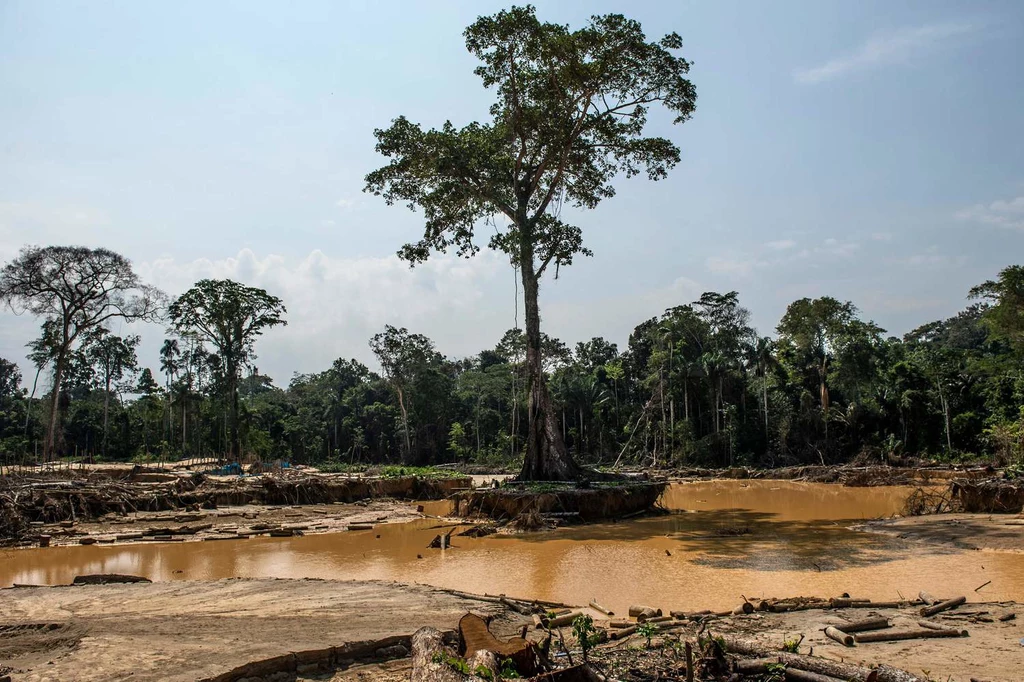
column 570, row 112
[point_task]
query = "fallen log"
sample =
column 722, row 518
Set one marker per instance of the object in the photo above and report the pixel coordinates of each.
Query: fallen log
column 1008, row 616
column 822, row 666
column 927, row 598
column 744, row 608
column 846, row 602
column 566, row 619
column 865, row 625
column 107, row 578
column 638, row 610
column 929, row 611
column 600, row 609
column 619, row 624
column 939, row 626
column 839, row 636
column 622, row 632
column 759, row 666
column 905, row 634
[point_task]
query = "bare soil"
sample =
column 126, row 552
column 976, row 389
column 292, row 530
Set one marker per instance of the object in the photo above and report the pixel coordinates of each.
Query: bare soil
column 194, row 630
column 1002, row 532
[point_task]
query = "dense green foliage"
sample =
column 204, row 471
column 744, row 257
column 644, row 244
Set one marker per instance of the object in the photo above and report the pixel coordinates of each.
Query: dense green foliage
column 695, row 386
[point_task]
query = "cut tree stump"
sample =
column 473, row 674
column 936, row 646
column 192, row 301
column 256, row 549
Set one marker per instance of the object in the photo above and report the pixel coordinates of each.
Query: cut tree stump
column 428, row 645
column 474, row 636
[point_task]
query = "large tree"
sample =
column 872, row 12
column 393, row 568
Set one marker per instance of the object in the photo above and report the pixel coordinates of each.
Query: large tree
column 230, row 316
column 569, row 117
column 76, row 289
column 403, row 356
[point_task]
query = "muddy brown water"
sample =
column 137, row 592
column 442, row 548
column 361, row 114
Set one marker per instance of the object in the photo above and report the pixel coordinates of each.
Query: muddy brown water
column 725, row 539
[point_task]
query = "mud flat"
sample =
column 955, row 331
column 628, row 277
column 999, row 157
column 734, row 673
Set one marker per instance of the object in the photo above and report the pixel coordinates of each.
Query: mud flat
column 211, row 630
column 964, row 531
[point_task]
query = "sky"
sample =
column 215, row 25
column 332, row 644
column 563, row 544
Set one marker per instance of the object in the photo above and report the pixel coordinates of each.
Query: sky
column 870, row 151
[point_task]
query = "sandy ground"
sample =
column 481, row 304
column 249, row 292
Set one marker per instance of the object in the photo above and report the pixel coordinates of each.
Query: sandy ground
column 227, row 522
column 190, row 630
column 1003, row 532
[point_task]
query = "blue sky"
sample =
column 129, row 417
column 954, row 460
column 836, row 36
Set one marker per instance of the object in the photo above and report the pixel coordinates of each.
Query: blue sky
column 870, row 151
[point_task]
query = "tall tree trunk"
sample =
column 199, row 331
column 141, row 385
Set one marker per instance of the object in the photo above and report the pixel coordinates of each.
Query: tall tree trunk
column 106, row 410
column 405, row 423
column 546, row 456
column 945, row 414
column 235, row 446
column 31, row 396
column 764, row 397
column 58, row 376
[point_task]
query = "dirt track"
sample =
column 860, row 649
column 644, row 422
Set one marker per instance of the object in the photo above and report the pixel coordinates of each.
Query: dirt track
column 192, row 630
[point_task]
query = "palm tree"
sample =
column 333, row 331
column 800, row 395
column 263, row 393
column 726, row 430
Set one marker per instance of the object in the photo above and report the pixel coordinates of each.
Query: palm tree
column 761, row 354
column 169, row 363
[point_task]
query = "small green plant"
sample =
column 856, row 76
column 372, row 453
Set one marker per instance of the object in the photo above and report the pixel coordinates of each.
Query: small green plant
column 508, row 670
column 583, row 630
column 453, row 662
column 792, row 645
column 483, row 672
column 776, row 672
column 647, row 630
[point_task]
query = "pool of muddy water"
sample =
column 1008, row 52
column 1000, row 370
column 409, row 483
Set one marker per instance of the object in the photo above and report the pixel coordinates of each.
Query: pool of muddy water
column 722, row 540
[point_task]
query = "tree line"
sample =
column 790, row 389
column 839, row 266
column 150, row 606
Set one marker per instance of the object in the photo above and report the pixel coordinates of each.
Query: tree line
column 695, row 386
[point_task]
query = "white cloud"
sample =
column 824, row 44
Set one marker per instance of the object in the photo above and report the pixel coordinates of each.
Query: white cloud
column 336, row 304
column 895, row 47
column 881, row 236
column 735, row 266
column 781, row 244
column 1008, row 213
column 345, row 203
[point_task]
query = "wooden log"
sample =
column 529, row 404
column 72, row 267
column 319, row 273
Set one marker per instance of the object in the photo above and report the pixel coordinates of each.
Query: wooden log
column 901, row 635
column 360, row 526
column 744, row 608
column 565, row 619
column 623, row 632
column 637, row 610
column 689, row 661
column 927, row 598
column 939, row 626
column 618, row 624
column 1008, row 616
column 822, row 666
column 759, row 666
column 600, row 609
column 865, row 625
column 538, row 621
column 929, row 611
column 659, row 619
column 846, row 602
column 839, row 636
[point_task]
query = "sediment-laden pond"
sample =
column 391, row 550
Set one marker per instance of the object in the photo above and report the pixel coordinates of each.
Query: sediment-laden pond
column 724, row 539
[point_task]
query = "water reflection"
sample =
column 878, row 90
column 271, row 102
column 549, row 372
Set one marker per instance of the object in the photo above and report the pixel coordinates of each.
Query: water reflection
column 722, row 539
